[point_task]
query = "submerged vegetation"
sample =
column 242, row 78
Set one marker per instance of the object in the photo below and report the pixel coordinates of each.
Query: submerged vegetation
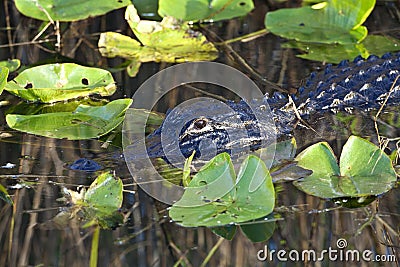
column 71, row 101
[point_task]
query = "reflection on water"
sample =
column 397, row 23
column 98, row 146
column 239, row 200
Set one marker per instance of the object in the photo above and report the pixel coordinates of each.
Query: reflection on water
column 29, row 236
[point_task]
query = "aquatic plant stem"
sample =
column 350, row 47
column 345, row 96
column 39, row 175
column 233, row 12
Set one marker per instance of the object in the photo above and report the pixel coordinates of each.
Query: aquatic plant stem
column 382, row 106
column 95, row 247
column 212, row 252
column 245, row 38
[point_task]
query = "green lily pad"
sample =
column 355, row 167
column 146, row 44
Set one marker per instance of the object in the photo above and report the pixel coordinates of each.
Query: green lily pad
column 84, row 122
column 216, row 197
column 28, row 108
column 335, row 21
column 167, row 41
column 195, row 10
column 365, row 170
column 3, row 78
column 99, row 205
column 102, row 202
column 334, row 53
column 67, row 10
column 105, row 193
column 57, row 82
column 12, row 64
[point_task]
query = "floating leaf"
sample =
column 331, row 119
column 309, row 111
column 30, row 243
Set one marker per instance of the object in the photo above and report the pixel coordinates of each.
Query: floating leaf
column 104, row 199
column 3, row 78
column 99, row 205
column 105, row 193
column 57, row 82
column 194, row 10
column 337, row 22
column 334, row 53
column 365, row 170
column 166, row 41
column 12, row 64
column 28, row 108
column 67, row 10
column 216, row 197
column 84, row 122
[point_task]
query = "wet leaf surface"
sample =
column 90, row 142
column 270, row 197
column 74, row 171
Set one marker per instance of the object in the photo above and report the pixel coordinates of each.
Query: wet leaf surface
column 105, row 193
column 99, row 204
column 364, row 170
column 216, row 197
column 57, row 82
column 12, row 64
column 338, row 22
column 67, row 10
column 85, row 122
column 195, row 10
column 167, row 41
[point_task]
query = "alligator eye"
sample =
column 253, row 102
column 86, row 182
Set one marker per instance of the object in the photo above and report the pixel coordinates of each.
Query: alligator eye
column 200, row 124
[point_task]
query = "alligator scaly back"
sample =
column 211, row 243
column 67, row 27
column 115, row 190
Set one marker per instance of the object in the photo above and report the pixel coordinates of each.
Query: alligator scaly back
column 361, row 84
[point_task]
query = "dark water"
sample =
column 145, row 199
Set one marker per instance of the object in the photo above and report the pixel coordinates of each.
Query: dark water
column 29, row 237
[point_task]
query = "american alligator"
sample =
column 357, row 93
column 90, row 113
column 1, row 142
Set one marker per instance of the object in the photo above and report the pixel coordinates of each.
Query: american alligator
column 360, row 84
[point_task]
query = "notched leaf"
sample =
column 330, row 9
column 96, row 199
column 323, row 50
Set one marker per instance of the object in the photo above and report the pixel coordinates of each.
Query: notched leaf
column 365, row 170
column 166, row 41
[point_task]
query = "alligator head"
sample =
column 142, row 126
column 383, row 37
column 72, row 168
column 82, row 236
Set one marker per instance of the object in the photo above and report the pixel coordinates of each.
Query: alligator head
column 236, row 132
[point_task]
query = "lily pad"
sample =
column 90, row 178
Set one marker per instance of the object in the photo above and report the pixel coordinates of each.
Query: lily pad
column 100, row 204
column 195, row 10
column 167, row 41
column 3, row 78
column 216, row 196
column 365, row 170
column 105, row 193
column 57, row 82
column 67, row 10
column 84, row 122
column 334, row 53
column 28, row 108
column 337, row 22
column 12, row 64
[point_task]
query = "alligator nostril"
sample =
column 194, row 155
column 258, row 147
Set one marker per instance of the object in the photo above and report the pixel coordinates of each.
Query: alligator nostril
column 200, row 124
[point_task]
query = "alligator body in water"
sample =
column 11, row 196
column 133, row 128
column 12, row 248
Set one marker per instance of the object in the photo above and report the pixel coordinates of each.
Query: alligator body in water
column 362, row 84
